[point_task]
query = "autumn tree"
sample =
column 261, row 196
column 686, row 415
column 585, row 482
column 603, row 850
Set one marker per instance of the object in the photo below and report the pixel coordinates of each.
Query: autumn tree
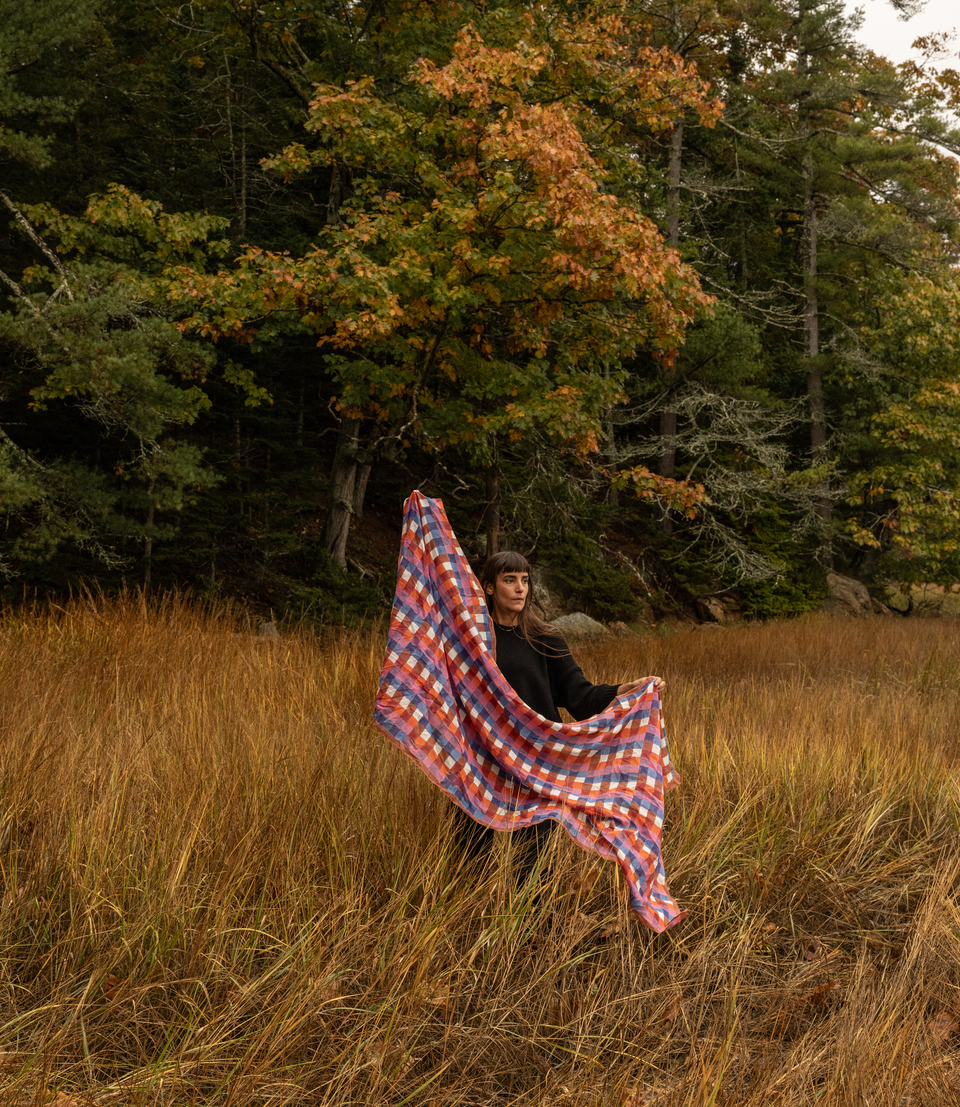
column 486, row 270
column 476, row 229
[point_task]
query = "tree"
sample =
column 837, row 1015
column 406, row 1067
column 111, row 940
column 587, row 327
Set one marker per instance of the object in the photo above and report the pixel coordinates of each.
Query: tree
column 837, row 181
column 487, row 269
column 88, row 349
column 695, row 31
column 907, row 494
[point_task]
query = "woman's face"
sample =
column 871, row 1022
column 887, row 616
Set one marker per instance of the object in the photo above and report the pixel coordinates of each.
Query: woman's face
column 509, row 596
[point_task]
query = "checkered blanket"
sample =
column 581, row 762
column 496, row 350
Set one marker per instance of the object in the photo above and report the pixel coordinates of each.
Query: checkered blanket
column 444, row 702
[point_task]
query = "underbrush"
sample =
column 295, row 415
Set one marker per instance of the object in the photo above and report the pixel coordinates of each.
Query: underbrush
column 222, row 886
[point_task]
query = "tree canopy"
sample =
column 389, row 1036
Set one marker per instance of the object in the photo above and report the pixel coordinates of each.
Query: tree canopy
column 268, row 263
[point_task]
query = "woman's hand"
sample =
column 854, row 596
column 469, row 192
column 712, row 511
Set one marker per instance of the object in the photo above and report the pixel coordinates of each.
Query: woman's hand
column 636, row 685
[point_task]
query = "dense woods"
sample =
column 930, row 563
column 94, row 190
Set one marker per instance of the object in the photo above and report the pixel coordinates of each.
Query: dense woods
column 664, row 287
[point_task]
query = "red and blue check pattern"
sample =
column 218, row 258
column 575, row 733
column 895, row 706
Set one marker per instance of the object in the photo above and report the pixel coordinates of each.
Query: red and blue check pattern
column 444, row 702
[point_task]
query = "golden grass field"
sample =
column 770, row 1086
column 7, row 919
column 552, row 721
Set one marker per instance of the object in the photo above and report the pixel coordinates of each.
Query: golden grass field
column 222, row 886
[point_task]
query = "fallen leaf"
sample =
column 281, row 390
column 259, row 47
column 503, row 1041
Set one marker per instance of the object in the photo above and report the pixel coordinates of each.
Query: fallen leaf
column 646, row 1097
column 588, row 884
column 326, row 990
column 406, row 1066
column 34, row 907
column 382, row 1055
column 439, row 997
column 112, row 987
column 375, row 1054
column 942, row 1026
column 820, row 995
column 811, row 949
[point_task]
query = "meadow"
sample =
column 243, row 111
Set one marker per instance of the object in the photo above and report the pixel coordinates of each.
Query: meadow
column 221, row 885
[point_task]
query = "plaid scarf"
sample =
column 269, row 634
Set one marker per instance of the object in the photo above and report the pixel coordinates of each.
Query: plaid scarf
column 444, row 702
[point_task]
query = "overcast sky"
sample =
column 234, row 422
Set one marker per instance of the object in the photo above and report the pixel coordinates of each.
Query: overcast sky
column 883, row 32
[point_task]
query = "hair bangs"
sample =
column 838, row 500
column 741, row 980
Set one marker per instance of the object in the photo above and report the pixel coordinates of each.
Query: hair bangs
column 508, row 561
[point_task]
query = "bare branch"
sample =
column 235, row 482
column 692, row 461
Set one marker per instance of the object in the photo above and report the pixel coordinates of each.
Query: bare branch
column 15, row 69
column 20, row 452
column 38, row 314
column 38, row 242
column 18, row 291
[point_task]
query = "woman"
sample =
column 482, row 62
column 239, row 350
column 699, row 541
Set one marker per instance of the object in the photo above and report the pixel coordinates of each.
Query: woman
column 536, row 662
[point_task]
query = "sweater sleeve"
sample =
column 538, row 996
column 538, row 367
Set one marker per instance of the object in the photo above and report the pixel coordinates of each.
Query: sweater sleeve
column 570, row 687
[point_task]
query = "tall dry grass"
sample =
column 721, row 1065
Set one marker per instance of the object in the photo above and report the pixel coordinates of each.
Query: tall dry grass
column 222, row 886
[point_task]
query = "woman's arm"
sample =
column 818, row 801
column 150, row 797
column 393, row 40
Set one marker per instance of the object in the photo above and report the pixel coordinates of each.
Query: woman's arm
column 570, row 687
column 572, row 690
column 636, row 685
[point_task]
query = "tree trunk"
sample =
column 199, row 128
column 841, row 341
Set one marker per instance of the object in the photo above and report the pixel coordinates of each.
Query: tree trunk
column 239, row 166
column 668, row 455
column 673, row 193
column 668, row 432
column 811, row 308
column 360, row 487
column 343, row 481
column 238, row 455
column 815, row 401
column 333, row 196
column 243, row 180
column 668, row 417
column 613, row 466
column 491, row 517
column 811, row 330
column 148, row 541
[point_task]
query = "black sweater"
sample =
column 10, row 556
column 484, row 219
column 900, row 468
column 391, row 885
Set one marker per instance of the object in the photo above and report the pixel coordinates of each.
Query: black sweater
column 546, row 677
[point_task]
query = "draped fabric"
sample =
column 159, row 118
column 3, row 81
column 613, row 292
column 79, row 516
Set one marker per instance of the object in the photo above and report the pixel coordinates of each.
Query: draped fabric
column 444, row 702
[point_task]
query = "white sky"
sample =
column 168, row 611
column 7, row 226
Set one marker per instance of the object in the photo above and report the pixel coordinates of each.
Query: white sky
column 886, row 34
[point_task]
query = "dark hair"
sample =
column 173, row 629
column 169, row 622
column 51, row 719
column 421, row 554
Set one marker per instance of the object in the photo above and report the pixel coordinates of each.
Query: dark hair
column 529, row 624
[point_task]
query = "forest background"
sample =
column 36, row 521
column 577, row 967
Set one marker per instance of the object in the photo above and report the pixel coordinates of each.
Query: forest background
column 662, row 293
